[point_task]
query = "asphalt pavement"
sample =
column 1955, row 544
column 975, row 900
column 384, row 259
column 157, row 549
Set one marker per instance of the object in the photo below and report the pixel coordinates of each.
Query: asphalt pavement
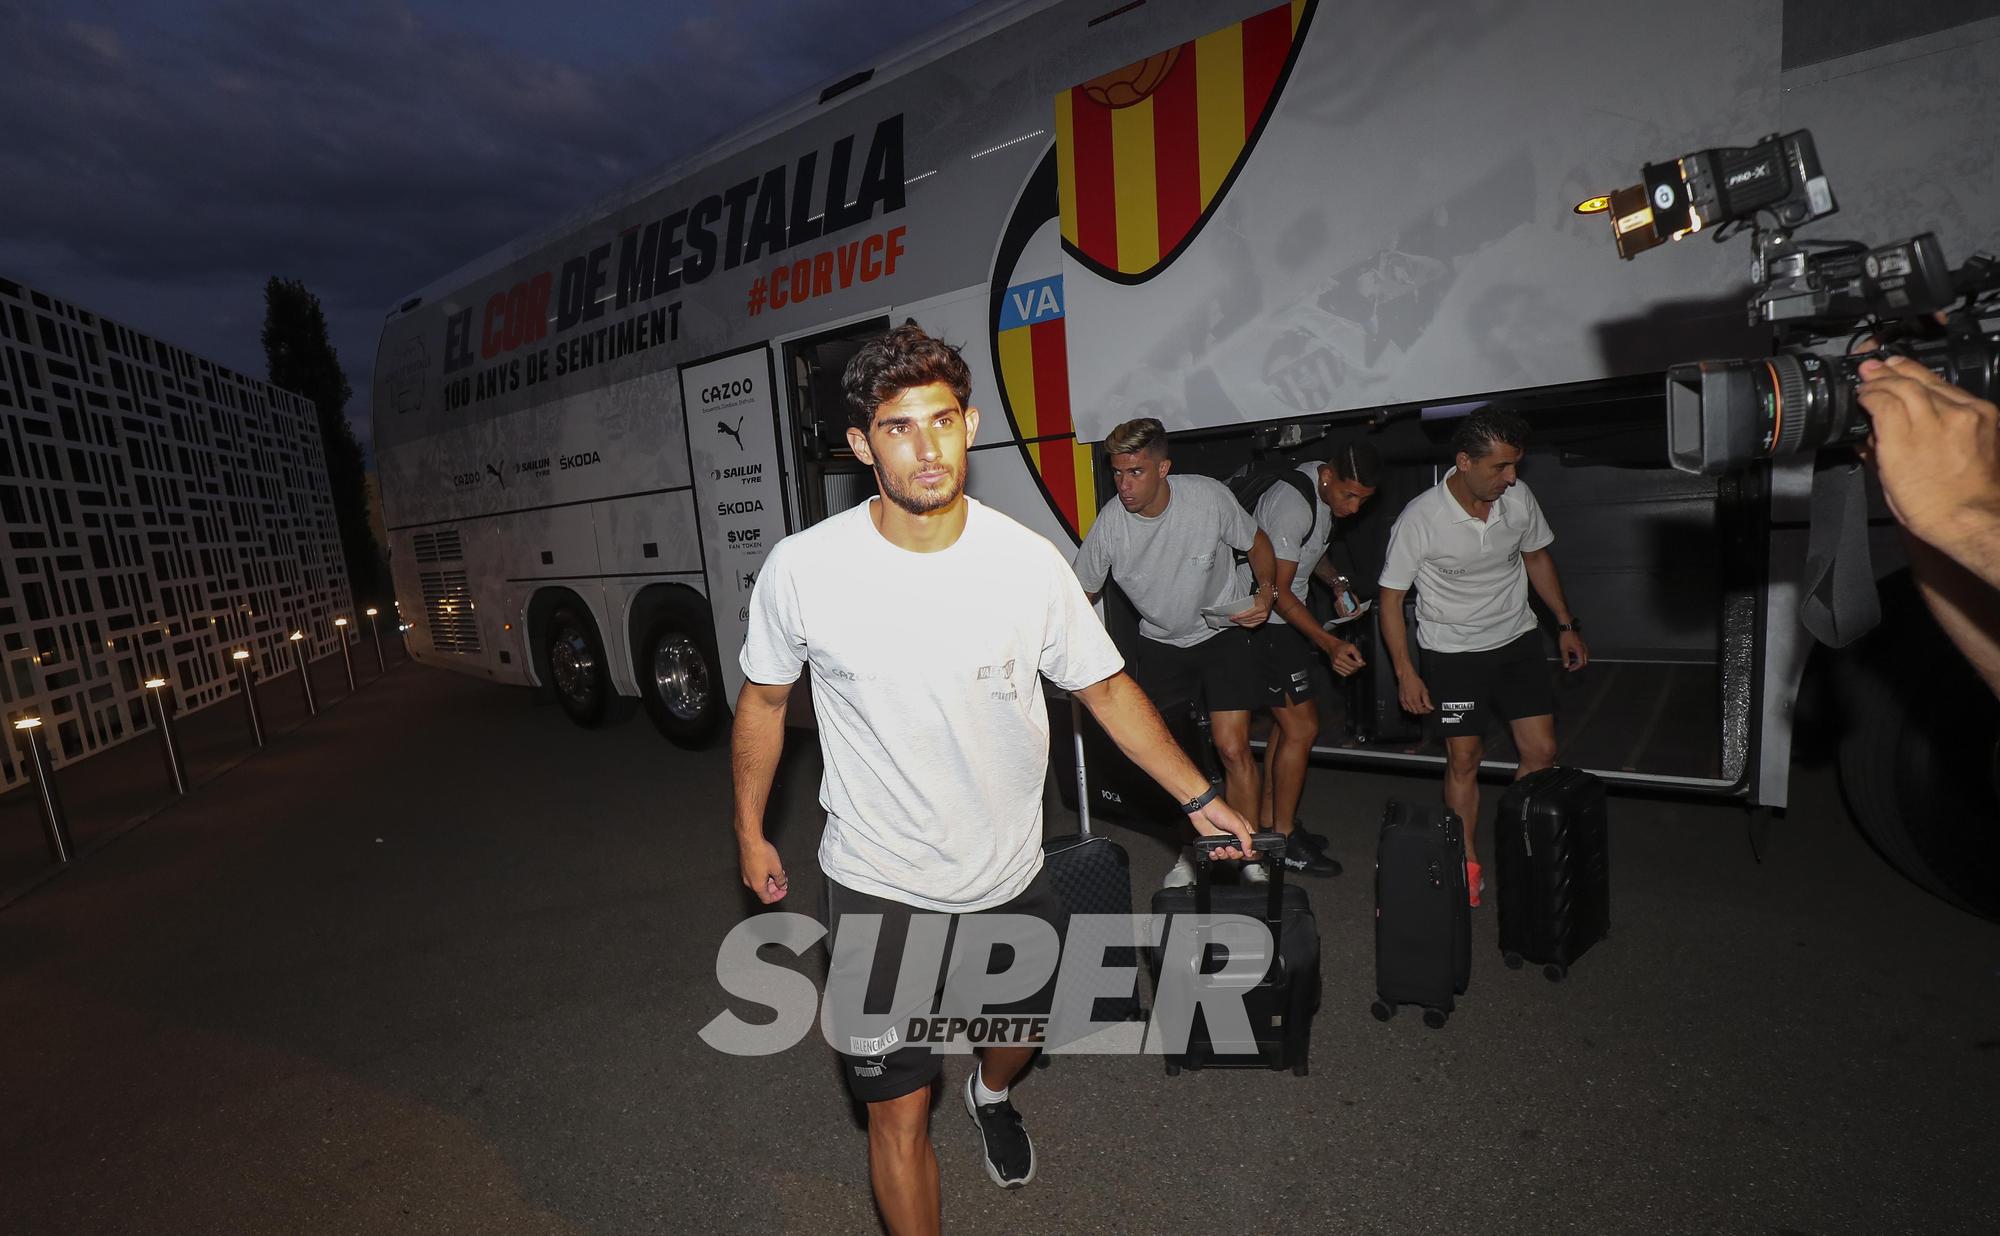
column 435, row 961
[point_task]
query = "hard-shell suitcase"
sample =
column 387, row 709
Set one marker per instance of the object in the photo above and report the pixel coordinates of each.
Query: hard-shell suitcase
column 1423, row 928
column 1554, row 876
column 1092, row 875
column 1282, row 1002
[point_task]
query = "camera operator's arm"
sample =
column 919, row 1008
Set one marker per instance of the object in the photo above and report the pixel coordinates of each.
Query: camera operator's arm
column 1937, row 450
column 1964, row 606
column 1541, row 566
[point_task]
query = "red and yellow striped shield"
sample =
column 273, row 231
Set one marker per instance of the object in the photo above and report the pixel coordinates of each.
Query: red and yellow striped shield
column 1032, row 348
column 1145, row 151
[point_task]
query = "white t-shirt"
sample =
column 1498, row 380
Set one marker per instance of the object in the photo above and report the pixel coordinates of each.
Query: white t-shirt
column 1174, row 563
column 926, row 678
column 1298, row 531
column 1472, row 587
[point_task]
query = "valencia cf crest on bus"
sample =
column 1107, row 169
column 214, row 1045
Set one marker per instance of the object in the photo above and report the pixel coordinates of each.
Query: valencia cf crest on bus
column 1146, row 151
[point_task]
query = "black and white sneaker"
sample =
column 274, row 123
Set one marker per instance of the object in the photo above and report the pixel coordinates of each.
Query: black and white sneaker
column 1317, row 841
column 1005, row 1145
column 1302, row 859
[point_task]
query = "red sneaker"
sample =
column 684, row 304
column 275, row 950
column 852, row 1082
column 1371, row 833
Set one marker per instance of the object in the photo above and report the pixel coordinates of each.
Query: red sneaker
column 1475, row 882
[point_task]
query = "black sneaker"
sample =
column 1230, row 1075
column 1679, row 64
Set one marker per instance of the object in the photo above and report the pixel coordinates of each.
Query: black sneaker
column 1007, row 1149
column 1301, row 859
column 1317, row 841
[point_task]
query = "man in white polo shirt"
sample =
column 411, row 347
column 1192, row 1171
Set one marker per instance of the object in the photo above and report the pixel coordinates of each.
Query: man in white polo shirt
column 1472, row 544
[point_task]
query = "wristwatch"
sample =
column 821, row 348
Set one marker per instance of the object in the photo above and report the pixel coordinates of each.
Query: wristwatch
column 1572, row 625
column 1200, row 800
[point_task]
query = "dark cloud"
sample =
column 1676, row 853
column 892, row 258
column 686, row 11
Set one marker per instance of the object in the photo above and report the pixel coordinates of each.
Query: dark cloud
column 172, row 156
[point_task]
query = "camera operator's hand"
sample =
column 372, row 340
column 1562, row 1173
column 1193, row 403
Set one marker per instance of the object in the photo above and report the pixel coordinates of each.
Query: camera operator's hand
column 1937, row 450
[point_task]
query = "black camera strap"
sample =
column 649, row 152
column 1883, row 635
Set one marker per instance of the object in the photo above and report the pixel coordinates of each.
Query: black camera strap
column 1839, row 604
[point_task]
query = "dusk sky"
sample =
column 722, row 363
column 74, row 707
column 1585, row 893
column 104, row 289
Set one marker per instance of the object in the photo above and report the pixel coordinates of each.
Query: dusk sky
column 163, row 159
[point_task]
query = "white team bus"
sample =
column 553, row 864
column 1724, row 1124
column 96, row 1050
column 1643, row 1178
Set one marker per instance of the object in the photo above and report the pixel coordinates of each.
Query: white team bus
column 1262, row 224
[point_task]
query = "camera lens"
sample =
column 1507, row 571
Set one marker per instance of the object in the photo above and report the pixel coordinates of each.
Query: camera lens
column 1726, row 415
column 1807, row 403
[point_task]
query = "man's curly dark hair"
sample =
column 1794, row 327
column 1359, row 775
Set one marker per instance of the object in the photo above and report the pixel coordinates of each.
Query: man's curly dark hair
column 900, row 360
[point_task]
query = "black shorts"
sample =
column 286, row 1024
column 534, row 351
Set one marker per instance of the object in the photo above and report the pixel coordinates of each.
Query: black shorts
column 1220, row 671
column 877, row 1053
column 1284, row 663
column 1468, row 689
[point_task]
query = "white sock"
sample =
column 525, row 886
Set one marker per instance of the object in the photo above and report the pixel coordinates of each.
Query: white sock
column 980, row 1094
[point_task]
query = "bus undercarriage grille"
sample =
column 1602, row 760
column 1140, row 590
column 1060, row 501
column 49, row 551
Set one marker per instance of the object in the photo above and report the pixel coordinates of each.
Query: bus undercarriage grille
column 448, row 608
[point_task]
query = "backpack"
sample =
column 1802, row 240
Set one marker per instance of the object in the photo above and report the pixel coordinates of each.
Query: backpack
column 1251, row 487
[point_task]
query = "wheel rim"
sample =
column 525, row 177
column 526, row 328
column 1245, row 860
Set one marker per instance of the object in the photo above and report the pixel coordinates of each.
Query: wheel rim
column 680, row 676
column 573, row 665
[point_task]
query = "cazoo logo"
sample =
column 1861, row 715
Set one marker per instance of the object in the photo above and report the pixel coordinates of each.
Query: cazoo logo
column 727, row 390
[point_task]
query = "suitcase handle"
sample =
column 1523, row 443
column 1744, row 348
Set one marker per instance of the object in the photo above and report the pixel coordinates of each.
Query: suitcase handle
column 1270, row 841
column 1267, row 842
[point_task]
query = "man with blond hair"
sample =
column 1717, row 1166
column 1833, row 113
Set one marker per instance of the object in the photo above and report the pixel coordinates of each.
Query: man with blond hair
column 1171, row 546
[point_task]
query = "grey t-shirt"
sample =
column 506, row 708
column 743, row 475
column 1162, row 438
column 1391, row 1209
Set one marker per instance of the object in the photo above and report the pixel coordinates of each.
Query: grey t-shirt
column 1298, row 531
column 1472, row 587
column 926, row 677
column 1174, row 563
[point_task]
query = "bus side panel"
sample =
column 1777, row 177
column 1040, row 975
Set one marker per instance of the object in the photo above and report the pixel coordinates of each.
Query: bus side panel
column 537, row 550
column 643, row 541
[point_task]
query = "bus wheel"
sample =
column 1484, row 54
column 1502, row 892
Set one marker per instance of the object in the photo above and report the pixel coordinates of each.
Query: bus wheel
column 1920, row 756
column 680, row 677
column 577, row 670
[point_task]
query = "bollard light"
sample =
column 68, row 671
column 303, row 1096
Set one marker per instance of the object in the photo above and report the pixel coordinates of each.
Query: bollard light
column 346, row 653
column 34, row 749
column 298, row 639
column 247, row 687
column 163, row 720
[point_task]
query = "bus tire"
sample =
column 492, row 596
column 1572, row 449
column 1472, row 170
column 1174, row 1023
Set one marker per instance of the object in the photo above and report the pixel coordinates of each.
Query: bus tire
column 1920, row 755
column 680, row 676
column 578, row 673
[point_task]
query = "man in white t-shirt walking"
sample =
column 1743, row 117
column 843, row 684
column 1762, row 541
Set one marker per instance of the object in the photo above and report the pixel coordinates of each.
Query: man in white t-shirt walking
column 1472, row 544
column 1168, row 542
column 928, row 621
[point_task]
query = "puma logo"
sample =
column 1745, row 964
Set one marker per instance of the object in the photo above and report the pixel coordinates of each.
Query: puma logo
column 736, row 433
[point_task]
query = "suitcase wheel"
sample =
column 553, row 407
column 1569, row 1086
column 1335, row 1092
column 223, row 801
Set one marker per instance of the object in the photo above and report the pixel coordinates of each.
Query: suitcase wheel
column 1383, row 1010
column 1299, row 1069
column 1554, row 973
column 1173, row 1070
column 1041, row 1060
column 1513, row 960
column 1435, row 1018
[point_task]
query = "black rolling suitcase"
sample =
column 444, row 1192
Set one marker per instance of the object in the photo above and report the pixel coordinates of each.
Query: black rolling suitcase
column 1554, row 878
column 1281, row 1004
column 1092, row 875
column 1423, row 927
column 1374, row 711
